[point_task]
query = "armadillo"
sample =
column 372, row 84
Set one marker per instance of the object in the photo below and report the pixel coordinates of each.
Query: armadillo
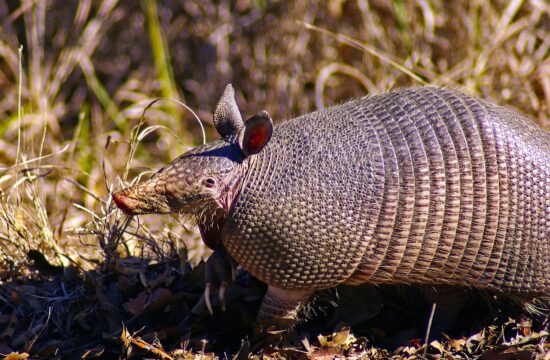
column 416, row 186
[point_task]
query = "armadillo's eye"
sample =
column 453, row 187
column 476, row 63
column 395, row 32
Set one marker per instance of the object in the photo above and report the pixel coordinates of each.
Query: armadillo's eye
column 209, row 182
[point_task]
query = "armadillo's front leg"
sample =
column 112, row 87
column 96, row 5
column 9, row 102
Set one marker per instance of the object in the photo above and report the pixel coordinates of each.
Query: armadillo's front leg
column 221, row 269
column 282, row 304
column 220, row 273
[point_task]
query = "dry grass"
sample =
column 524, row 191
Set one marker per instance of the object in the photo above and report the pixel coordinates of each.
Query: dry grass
column 70, row 108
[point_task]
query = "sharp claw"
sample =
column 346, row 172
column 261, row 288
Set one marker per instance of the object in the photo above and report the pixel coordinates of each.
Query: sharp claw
column 207, row 288
column 221, row 294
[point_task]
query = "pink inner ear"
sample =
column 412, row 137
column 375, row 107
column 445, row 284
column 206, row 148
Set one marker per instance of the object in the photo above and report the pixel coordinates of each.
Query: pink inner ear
column 257, row 139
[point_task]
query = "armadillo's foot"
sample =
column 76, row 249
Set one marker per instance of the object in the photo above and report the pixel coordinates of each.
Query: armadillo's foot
column 279, row 311
column 282, row 304
column 220, row 273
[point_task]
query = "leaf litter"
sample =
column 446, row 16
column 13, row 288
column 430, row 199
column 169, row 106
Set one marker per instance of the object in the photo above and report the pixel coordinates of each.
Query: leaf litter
column 136, row 309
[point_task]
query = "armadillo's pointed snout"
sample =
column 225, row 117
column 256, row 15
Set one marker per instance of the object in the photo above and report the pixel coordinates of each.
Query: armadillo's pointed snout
column 122, row 202
column 144, row 198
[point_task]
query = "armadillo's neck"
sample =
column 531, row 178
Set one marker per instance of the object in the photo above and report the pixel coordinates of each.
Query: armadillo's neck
column 212, row 214
column 232, row 185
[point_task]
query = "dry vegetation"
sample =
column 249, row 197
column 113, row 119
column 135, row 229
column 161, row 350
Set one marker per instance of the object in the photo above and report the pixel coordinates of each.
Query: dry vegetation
column 75, row 78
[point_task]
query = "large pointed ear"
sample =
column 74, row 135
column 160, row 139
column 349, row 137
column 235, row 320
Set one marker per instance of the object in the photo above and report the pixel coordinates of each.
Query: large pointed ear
column 227, row 117
column 256, row 133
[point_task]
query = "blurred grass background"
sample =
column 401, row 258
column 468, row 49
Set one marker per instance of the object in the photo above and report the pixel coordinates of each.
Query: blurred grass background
column 76, row 76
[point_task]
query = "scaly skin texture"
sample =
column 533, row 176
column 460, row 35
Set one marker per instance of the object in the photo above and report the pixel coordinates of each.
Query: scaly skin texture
column 422, row 185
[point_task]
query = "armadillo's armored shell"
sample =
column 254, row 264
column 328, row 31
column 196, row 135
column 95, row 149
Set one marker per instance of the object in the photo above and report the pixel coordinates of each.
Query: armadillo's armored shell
column 421, row 185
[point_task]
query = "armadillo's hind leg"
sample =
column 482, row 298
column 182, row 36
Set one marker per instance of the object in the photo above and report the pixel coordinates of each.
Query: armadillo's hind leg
column 282, row 304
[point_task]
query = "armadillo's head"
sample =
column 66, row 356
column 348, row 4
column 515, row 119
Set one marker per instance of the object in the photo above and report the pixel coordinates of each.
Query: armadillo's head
column 206, row 177
column 202, row 176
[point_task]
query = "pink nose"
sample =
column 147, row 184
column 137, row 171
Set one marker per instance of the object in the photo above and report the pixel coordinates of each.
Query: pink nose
column 122, row 202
